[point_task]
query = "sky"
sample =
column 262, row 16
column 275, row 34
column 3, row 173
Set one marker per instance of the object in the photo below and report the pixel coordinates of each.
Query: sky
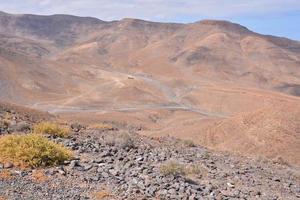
column 273, row 17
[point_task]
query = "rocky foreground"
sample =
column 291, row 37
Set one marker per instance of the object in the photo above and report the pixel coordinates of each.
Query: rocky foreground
column 117, row 163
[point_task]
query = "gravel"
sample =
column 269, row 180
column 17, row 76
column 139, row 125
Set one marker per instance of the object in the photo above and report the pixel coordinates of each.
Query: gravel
column 133, row 172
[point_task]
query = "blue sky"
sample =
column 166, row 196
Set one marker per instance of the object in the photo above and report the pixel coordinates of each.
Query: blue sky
column 275, row 17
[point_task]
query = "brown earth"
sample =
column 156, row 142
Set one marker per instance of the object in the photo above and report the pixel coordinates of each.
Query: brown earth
column 215, row 82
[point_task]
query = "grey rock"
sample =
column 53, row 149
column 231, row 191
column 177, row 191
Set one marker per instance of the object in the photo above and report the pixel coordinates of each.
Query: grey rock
column 87, row 167
column 74, row 163
column 105, row 175
column 62, row 172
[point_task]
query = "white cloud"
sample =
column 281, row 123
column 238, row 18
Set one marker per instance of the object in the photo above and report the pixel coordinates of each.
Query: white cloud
column 161, row 10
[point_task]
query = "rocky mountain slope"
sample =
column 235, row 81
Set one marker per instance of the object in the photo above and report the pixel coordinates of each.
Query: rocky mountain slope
column 114, row 162
column 193, row 80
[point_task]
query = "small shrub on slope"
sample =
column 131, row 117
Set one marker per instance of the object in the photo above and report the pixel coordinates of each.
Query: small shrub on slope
column 124, row 141
column 102, row 126
column 32, row 151
column 172, row 168
column 51, row 129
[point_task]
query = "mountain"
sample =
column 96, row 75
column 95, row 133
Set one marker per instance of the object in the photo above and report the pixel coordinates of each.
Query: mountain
column 170, row 78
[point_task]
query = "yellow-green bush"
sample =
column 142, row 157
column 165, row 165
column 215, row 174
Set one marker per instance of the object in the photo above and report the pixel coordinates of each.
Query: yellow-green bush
column 51, row 129
column 32, row 151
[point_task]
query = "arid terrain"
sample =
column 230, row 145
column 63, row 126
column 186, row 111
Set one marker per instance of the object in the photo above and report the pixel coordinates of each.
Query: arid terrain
column 216, row 83
column 112, row 161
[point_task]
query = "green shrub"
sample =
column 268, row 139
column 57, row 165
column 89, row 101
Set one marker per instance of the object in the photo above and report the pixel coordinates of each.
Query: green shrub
column 51, row 129
column 32, row 151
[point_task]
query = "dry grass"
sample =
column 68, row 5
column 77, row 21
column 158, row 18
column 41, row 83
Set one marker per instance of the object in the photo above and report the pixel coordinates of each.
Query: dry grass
column 5, row 175
column 101, row 195
column 189, row 170
column 123, row 141
column 206, row 155
column 102, row 126
column 172, row 168
column 39, row 177
column 51, row 129
column 32, row 151
column 189, row 143
column 196, row 170
column 8, row 116
column 193, row 169
column 4, row 123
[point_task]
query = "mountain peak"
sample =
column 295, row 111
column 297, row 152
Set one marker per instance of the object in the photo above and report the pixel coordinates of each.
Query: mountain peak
column 223, row 24
column 132, row 20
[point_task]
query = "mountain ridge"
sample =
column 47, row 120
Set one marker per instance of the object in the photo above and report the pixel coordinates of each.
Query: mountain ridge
column 87, row 18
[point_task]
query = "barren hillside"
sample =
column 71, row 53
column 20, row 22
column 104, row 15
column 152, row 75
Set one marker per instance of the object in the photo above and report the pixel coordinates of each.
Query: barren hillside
column 197, row 80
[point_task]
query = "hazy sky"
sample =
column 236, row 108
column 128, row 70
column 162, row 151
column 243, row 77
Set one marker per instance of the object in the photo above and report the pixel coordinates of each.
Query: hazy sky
column 276, row 17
